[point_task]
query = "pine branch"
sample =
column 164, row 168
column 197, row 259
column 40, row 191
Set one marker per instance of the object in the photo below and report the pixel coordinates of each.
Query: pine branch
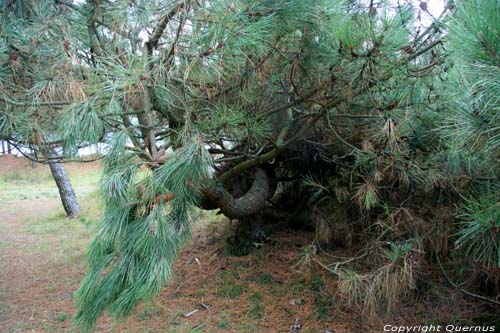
column 152, row 43
column 468, row 293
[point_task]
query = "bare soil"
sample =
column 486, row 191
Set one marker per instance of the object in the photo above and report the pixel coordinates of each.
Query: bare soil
column 37, row 282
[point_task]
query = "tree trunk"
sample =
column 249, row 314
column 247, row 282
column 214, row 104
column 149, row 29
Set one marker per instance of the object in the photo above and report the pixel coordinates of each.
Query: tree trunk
column 66, row 192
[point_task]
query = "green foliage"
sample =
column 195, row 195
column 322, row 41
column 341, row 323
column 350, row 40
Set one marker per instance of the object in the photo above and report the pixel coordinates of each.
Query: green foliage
column 472, row 123
column 474, row 38
column 80, row 125
column 265, row 279
column 479, row 233
column 340, row 101
column 62, row 316
column 131, row 255
column 231, row 291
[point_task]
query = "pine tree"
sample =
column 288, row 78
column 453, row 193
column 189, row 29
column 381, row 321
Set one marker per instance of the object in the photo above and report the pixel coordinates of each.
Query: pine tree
column 227, row 105
column 471, row 122
column 34, row 87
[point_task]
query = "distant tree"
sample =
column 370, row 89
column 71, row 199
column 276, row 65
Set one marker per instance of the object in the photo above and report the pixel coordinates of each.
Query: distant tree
column 34, row 85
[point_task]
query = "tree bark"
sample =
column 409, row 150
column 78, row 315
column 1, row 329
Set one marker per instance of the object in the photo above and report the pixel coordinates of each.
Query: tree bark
column 247, row 205
column 66, row 192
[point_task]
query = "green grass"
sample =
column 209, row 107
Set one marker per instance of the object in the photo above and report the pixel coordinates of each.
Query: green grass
column 37, row 183
column 232, row 291
column 4, row 244
column 33, row 175
column 248, row 327
column 231, row 286
column 257, row 308
column 16, row 192
column 65, row 239
column 149, row 310
column 265, row 279
column 55, row 223
column 297, row 287
column 223, row 325
column 223, row 321
column 63, row 316
column 322, row 301
column 200, row 292
column 62, row 238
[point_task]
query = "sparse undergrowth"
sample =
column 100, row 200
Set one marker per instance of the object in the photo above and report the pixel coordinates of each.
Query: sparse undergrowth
column 22, row 180
column 210, row 291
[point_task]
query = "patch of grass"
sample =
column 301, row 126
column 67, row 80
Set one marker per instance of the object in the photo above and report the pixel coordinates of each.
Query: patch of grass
column 223, row 325
column 298, row 287
column 88, row 178
column 5, row 244
column 62, row 316
column 27, row 183
column 73, row 249
column 248, row 327
column 317, row 283
column 4, row 308
column 200, row 292
column 256, row 298
column 287, row 311
column 323, row 305
column 223, row 322
column 231, row 287
column 265, row 279
column 25, row 175
column 149, row 310
column 257, row 309
column 323, row 302
column 48, row 327
column 231, row 291
column 32, row 248
column 207, row 217
column 57, row 223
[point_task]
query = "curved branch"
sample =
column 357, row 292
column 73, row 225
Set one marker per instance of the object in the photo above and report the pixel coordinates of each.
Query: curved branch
column 482, row 298
column 247, row 205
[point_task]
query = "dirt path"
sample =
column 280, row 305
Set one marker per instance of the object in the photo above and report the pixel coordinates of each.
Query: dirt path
column 25, row 260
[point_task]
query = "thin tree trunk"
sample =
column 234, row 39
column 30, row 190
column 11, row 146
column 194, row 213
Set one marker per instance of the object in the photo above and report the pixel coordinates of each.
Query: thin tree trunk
column 66, row 192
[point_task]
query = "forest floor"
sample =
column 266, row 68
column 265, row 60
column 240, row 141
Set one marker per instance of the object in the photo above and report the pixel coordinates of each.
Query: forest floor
column 42, row 261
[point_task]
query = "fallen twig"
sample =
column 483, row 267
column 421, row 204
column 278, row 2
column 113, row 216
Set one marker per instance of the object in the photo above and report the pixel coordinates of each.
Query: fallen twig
column 189, row 314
